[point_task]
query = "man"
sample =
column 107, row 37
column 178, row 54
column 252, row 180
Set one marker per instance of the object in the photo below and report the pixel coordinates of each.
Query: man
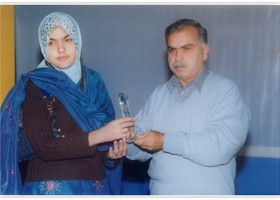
column 194, row 124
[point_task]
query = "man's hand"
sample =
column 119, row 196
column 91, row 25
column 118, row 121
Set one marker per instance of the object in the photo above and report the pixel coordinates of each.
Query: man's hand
column 151, row 141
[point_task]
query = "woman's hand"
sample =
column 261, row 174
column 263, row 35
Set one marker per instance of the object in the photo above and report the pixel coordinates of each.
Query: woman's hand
column 118, row 151
column 115, row 130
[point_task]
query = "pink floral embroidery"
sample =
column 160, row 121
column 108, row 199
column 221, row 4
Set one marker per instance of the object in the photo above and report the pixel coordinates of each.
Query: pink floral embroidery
column 98, row 185
column 49, row 187
column 7, row 107
column 12, row 172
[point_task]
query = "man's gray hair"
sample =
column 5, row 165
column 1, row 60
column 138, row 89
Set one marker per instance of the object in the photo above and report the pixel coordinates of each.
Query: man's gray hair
column 182, row 23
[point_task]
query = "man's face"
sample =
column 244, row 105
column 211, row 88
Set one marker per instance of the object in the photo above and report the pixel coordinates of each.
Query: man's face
column 186, row 55
column 61, row 49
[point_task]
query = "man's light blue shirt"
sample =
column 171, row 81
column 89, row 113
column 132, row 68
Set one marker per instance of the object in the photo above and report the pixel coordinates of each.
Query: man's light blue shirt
column 204, row 125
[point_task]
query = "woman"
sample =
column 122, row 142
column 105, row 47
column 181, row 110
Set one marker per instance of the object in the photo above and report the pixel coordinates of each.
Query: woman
column 59, row 118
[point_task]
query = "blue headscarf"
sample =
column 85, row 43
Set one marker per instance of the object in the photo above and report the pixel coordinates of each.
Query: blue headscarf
column 71, row 27
column 91, row 109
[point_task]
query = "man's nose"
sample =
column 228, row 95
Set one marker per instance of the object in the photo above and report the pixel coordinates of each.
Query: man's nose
column 178, row 55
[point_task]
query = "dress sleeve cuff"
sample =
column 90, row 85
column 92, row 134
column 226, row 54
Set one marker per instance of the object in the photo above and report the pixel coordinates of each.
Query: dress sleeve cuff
column 112, row 164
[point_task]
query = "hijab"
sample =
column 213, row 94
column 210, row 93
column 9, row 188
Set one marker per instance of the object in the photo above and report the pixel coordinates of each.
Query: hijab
column 70, row 26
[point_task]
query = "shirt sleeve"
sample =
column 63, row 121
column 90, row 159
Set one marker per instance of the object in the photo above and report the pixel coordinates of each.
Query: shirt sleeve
column 222, row 136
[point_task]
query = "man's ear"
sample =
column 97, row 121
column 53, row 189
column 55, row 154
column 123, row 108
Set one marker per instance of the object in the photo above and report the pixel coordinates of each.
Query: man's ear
column 205, row 50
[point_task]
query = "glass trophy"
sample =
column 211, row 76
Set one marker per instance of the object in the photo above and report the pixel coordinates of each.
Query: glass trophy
column 124, row 103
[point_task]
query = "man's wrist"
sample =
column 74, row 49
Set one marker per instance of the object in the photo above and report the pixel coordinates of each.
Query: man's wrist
column 161, row 140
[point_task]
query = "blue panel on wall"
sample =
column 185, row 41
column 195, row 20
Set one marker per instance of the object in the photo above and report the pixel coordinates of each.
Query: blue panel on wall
column 257, row 176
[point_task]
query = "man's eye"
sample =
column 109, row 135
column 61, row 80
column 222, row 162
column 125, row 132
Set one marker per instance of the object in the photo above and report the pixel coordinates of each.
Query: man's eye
column 187, row 48
column 170, row 50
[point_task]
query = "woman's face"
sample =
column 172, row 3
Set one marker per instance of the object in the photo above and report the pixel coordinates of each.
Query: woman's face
column 61, row 49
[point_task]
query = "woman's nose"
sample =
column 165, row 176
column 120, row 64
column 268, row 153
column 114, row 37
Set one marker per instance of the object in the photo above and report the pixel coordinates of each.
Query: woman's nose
column 60, row 47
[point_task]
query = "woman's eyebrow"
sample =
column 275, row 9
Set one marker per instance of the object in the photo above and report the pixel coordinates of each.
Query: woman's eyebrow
column 66, row 36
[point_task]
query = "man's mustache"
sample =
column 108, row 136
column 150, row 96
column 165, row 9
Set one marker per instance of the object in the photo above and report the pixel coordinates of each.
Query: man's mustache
column 179, row 64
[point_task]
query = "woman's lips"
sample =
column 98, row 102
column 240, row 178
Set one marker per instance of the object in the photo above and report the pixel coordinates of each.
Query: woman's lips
column 62, row 58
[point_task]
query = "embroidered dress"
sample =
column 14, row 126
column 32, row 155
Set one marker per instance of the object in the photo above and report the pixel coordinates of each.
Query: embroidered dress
column 91, row 109
column 67, row 187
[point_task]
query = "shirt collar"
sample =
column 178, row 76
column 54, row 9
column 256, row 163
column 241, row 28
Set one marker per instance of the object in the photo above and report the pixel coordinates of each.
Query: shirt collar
column 198, row 82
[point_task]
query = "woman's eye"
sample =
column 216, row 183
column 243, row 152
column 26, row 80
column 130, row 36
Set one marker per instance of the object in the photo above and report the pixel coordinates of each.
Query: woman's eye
column 69, row 40
column 50, row 43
